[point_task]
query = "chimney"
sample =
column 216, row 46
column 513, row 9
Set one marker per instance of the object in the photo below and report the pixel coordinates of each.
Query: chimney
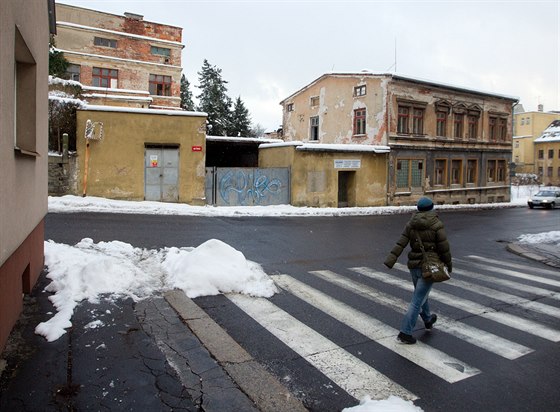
column 133, row 16
column 540, row 107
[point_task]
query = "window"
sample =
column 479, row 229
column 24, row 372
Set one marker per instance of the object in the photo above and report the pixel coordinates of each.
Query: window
column 290, row 107
column 496, row 171
column 101, row 41
column 472, row 125
column 549, row 171
column 360, row 90
column 458, row 120
column 160, row 85
column 402, row 126
column 541, row 154
column 502, row 129
column 314, row 101
column 409, row 173
column 522, row 121
column 410, row 118
column 456, row 172
column 528, row 120
column 492, row 125
column 314, row 128
column 559, row 172
column 540, row 171
column 73, row 72
column 440, row 172
column 104, row 77
column 472, row 168
column 441, row 127
column 161, row 51
column 551, row 154
column 359, row 121
column 418, row 121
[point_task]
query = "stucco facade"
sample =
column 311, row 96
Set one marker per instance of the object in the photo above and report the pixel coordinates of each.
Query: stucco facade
column 130, row 162
column 451, row 143
column 547, row 158
column 324, row 176
column 121, row 60
column 527, row 127
column 24, row 34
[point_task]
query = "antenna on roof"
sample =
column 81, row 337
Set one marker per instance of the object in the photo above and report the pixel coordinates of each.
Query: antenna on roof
column 395, row 63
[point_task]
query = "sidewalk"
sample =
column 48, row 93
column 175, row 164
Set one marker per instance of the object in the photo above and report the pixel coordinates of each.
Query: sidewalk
column 129, row 356
column 549, row 254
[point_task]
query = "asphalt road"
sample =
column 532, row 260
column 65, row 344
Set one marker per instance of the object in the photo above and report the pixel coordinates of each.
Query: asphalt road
column 298, row 246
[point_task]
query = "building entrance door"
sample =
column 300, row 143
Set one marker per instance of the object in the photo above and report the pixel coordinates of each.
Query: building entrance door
column 161, row 173
column 346, row 189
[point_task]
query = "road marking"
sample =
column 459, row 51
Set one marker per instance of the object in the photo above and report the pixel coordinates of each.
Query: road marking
column 497, row 295
column 540, row 292
column 509, row 264
column 431, row 359
column 517, row 274
column 515, row 322
column 350, row 373
column 470, row 334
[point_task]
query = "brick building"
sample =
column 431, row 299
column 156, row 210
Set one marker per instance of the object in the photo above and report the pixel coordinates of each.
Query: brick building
column 121, row 60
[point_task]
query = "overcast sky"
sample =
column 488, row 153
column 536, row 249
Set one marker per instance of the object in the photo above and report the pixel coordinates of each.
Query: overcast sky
column 269, row 49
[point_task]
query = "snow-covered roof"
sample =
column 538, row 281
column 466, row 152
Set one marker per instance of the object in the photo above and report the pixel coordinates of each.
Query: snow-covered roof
column 64, row 82
column 328, row 147
column 404, row 78
column 241, row 139
column 550, row 134
column 100, row 108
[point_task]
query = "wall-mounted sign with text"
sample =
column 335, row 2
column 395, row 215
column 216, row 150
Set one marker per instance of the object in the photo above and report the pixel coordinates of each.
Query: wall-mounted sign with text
column 347, row 163
column 197, row 148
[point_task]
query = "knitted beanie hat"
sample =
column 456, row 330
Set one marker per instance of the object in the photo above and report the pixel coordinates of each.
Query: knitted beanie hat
column 425, row 204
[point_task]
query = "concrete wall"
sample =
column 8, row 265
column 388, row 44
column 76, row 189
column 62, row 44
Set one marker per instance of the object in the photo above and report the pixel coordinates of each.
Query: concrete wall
column 116, row 163
column 24, row 34
column 315, row 178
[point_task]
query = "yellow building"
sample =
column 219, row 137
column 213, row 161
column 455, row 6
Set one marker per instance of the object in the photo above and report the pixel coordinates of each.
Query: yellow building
column 24, row 34
column 547, row 159
column 141, row 154
column 447, row 142
column 527, row 127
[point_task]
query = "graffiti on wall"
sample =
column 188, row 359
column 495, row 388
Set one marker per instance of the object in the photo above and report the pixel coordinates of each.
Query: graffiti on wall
column 248, row 186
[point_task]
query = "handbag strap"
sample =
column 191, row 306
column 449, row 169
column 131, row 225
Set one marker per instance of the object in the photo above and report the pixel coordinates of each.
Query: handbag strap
column 419, row 241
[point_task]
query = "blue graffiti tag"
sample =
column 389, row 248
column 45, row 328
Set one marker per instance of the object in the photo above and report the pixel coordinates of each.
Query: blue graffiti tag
column 249, row 187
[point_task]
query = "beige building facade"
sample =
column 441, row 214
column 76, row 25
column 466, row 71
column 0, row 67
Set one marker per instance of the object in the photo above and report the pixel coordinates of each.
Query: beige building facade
column 451, row 143
column 528, row 126
column 141, row 154
column 547, row 159
column 24, row 34
column 121, row 60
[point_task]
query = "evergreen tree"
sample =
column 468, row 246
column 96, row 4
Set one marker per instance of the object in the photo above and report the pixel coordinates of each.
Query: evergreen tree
column 241, row 122
column 186, row 95
column 214, row 100
column 57, row 62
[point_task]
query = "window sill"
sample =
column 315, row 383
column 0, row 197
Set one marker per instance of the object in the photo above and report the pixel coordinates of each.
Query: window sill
column 359, row 136
column 27, row 153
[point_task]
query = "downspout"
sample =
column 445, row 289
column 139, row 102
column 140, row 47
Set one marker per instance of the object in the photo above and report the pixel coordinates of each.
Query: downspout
column 388, row 157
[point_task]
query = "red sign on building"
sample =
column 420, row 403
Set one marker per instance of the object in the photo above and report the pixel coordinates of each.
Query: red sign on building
column 197, row 148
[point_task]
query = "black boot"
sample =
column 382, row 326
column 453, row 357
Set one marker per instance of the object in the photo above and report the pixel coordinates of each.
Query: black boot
column 429, row 324
column 407, row 339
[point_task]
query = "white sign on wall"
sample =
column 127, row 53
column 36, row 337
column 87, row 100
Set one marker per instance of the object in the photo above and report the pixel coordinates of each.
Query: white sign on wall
column 347, row 163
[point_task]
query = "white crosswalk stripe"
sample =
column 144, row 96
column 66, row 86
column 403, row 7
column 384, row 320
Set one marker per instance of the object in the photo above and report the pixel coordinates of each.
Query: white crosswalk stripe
column 501, row 296
column 508, row 264
column 468, row 306
column 519, row 275
column 350, row 373
column 477, row 337
column 357, row 376
column 535, row 290
column 429, row 358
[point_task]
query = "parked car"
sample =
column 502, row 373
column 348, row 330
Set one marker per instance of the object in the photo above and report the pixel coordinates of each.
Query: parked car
column 547, row 198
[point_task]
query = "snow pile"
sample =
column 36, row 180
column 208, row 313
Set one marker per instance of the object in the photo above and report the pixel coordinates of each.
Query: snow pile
column 391, row 404
column 90, row 271
column 552, row 237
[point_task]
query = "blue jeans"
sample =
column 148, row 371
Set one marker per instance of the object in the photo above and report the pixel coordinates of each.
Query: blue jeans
column 419, row 303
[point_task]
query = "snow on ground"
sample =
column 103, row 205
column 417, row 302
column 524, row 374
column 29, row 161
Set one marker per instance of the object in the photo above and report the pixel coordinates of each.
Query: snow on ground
column 111, row 270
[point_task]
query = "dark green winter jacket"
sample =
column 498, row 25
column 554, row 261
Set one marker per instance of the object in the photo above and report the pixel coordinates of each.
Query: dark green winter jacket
column 432, row 233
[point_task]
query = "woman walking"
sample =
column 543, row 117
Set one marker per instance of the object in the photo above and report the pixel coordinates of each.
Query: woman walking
column 426, row 225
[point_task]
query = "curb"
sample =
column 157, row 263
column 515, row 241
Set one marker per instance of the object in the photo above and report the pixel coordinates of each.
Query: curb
column 529, row 253
column 258, row 384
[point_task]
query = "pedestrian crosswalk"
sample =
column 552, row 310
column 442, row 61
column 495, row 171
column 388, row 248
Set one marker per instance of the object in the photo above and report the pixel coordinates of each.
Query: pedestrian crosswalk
column 505, row 284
